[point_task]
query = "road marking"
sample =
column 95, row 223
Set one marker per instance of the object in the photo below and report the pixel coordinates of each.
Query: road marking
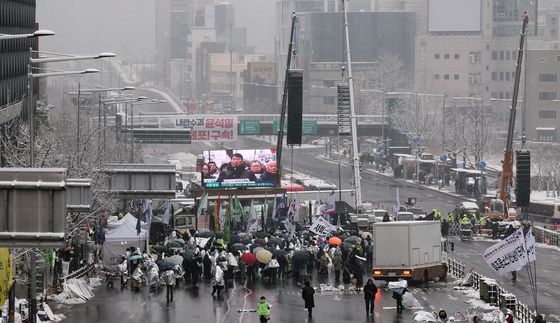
column 544, row 270
column 547, row 294
column 408, row 308
column 424, row 298
column 452, row 297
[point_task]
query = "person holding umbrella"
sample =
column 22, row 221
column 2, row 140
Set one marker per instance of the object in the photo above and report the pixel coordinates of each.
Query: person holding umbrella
column 307, row 295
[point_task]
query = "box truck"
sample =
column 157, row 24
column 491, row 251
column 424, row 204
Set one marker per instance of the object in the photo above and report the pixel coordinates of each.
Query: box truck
column 410, row 250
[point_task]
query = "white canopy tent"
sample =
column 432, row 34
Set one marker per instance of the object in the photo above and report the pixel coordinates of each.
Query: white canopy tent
column 122, row 235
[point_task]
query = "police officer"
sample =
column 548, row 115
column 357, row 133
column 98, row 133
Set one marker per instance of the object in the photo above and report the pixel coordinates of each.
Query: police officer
column 263, row 310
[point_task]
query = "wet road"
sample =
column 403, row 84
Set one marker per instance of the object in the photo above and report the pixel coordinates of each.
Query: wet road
column 195, row 304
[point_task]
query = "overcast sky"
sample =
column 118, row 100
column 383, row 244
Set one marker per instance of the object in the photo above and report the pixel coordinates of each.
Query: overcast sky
column 127, row 27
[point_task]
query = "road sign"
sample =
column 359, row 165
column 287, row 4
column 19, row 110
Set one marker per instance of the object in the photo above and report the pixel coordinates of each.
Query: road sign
column 443, row 157
column 481, row 164
column 416, row 140
column 309, row 127
column 249, row 127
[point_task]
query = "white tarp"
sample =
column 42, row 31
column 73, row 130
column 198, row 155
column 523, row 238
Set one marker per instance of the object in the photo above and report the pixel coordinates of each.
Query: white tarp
column 322, row 227
column 119, row 238
column 507, row 255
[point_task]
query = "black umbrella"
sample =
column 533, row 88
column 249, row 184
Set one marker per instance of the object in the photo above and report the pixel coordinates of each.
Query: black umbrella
column 245, row 239
column 161, row 249
column 347, row 246
column 301, row 257
column 274, row 241
column 174, row 244
column 234, row 239
column 260, row 242
column 237, row 247
column 188, row 255
column 261, row 234
column 279, row 253
column 166, row 265
column 353, row 240
column 207, row 234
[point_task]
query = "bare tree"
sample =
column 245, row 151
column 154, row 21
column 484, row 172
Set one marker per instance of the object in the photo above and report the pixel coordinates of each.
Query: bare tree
column 417, row 117
column 56, row 147
column 389, row 74
column 468, row 130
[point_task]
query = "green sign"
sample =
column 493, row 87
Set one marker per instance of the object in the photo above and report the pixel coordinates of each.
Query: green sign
column 249, row 127
column 309, row 127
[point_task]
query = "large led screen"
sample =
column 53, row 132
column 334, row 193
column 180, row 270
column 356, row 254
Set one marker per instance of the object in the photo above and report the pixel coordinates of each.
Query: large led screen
column 236, row 168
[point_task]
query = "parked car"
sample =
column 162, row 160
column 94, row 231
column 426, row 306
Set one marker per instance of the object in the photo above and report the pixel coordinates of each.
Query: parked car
column 418, row 212
column 404, row 216
column 320, row 142
column 468, row 208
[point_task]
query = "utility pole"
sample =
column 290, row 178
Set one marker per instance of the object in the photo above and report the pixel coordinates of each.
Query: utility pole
column 78, row 125
column 280, row 140
column 131, row 133
column 354, row 125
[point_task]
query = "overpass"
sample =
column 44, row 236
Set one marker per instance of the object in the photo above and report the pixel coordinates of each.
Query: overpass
column 267, row 124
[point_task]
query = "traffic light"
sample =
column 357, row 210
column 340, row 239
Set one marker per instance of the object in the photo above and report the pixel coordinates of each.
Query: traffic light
column 343, row 109
column 523, row 178
column 295, row 106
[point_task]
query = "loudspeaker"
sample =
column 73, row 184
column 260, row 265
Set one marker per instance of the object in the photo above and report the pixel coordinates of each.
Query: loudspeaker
column 295, row 106
column 523, row 178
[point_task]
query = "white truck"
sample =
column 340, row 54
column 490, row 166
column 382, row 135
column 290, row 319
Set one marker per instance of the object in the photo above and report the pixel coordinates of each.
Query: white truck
column 409, row 249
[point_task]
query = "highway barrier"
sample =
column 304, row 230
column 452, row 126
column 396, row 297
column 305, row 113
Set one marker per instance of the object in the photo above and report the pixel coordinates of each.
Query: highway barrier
column 546, row 236
column 502, row 299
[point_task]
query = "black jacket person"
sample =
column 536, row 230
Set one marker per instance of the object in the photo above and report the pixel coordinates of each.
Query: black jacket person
column 236, row 169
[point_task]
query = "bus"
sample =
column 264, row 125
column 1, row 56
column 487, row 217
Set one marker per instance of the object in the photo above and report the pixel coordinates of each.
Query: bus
column 544, row 212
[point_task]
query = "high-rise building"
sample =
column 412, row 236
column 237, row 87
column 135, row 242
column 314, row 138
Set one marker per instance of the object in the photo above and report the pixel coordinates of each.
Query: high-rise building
column 16, row 17
column 542, row 117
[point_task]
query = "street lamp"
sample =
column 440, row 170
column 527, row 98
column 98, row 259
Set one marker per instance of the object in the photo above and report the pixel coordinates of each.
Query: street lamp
column 37, row 33
column 64, row 57
column 98, row 90
column 31, row 103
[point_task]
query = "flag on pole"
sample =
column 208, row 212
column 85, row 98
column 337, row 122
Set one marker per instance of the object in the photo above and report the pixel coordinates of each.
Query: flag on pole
column 227, row 220
column 138, row 226
column 253, row 224
column 275, row 212
column 330, row 204
column 317, row 207
column 202, row 205
column 167, row 213
column 148, row 213
column 237, row 211
column 397, row 205
column 530, row 244
column 290, row 222
column 217, row 215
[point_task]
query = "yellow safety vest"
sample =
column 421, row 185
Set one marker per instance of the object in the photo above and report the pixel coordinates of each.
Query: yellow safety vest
column 263, row 309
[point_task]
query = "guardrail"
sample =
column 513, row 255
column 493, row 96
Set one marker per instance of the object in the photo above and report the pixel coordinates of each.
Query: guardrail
column 522, row 311
column 546, row 236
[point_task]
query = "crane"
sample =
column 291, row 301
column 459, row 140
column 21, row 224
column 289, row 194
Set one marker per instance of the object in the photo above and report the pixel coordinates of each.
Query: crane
column 499, row 207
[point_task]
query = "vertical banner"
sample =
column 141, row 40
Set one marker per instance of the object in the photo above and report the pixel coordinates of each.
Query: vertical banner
column 5, row 274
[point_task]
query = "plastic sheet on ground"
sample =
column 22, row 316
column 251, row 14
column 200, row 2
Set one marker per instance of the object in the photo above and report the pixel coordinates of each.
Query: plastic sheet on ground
column 423, row 316
column 75, row 291
column 409, row 301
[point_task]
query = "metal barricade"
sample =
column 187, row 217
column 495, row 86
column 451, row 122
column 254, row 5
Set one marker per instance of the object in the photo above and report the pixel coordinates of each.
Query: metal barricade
column 496, row 295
